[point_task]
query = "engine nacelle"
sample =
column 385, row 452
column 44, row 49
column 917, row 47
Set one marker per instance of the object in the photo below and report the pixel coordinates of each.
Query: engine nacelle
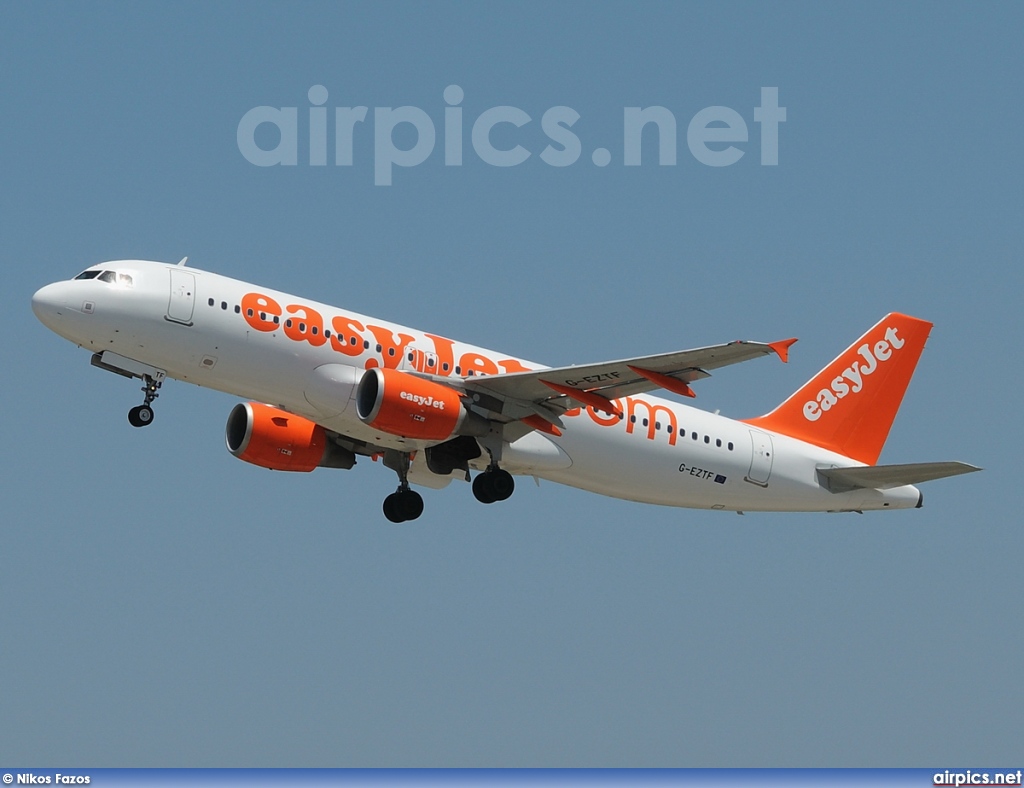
column 275, row 439
column 402, row 404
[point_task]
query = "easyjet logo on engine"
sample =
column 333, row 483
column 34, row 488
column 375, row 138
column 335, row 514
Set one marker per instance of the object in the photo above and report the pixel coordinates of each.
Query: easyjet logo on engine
column 852, row 379
column 419, row 399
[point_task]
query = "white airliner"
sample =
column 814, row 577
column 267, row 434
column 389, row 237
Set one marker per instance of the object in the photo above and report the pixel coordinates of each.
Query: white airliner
column 329, row 385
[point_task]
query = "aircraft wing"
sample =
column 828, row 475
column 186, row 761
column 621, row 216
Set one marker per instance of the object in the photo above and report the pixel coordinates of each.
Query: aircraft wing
column 883, row 477
column 546, row 393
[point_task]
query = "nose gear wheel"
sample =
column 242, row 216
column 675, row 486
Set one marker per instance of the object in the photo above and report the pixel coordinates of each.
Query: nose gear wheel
column 142, row 415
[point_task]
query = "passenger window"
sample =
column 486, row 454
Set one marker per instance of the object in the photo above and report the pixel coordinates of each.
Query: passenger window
column 707, row 439
column 730, row 445
column 718, row 442
column 210, row 302
column 224, row 305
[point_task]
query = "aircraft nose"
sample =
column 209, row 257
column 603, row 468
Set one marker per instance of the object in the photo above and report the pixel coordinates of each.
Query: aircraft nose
column 48, row 303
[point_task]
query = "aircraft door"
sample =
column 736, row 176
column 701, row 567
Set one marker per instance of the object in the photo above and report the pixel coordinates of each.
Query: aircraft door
column 415, row 358
column 182, row 300
column 761, row 458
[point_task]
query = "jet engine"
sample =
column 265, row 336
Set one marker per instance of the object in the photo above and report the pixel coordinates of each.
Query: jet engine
column 275, row 439
column 411, row 407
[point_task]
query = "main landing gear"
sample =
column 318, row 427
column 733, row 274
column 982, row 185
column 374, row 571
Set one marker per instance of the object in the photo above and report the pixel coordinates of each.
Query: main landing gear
column 142, row 415
column 492, row 485
column 404, row 503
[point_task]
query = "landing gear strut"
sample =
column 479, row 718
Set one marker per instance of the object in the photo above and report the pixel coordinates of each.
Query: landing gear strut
column 404, row 503
column 492, row 485
column 142, row 415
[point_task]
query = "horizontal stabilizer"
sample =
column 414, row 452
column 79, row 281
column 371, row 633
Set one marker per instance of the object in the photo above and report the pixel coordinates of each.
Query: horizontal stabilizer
column 882, row 477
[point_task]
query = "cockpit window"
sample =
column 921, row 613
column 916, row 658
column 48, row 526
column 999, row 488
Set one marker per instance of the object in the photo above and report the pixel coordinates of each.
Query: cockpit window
column 111, row 277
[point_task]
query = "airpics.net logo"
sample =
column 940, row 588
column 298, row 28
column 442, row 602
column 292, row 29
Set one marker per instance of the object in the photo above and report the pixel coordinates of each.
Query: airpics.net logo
column 716, row 136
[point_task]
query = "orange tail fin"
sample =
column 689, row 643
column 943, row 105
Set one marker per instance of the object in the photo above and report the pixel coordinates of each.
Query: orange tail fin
column 850, row 405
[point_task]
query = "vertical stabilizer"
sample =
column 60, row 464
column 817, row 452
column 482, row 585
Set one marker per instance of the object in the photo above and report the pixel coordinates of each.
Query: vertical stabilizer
column 850, row 405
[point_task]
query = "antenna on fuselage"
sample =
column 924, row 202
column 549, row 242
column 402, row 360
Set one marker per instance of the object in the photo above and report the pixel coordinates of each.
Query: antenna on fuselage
column 183, row 261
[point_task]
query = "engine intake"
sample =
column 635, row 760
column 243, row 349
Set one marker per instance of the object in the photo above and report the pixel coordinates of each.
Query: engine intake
column 402, row 404
column 272, row 438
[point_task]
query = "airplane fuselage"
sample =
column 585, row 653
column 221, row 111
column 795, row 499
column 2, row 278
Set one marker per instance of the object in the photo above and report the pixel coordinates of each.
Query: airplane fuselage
column 306, row 358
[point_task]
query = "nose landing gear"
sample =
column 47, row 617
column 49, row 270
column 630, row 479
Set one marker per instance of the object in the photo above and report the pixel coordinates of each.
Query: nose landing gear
column 142, row 415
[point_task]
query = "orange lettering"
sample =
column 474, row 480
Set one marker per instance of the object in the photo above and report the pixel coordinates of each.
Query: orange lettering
column 604, row 421
column 305, row 327
column 390, row 350
column 260, row 310
column 477, row 364
column 347, row 337
column 652, row 413
column 445, row 354
column 511, row 365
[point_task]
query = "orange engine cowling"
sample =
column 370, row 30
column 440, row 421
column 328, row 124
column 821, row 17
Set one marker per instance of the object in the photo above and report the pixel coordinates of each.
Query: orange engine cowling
column 402, row 404
column 275, row 439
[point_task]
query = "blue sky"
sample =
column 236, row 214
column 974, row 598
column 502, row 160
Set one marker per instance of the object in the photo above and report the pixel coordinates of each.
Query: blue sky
column 163, row 604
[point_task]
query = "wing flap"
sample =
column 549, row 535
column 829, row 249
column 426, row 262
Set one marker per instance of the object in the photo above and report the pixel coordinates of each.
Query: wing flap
column 883, row 477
